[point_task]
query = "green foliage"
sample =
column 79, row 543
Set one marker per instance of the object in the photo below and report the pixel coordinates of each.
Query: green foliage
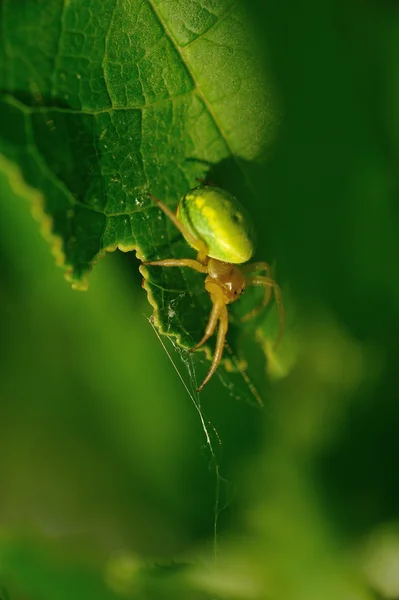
column 121, row 98
column 109, row 486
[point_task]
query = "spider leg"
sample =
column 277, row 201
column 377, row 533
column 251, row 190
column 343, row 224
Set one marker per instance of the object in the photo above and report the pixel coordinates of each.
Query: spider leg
column 181, row 262
column 221, row 337
column 218, row 314
column 268, row 284
column 258, row 266
column 218, row 303
column 199, row 245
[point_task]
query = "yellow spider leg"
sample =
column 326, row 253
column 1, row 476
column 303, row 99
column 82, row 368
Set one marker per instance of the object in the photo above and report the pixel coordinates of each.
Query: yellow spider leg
column 221, row 337
column 199, row 245
column 218, row 303
column 181, row 262
column 258, row 266
column 219, row 313
column 267, row 282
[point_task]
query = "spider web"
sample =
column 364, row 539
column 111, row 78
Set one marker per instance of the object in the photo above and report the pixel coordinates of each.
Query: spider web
column 187, row 366
column 211, row 435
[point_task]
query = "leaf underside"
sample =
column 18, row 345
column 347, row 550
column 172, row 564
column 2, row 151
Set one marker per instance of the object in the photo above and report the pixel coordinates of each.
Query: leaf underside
column 106, row 101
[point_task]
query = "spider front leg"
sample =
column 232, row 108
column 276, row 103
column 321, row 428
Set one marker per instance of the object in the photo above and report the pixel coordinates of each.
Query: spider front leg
column 179, row 262
column 269, row 284
column 199, row 245
column 218, row 303
column 219, row 314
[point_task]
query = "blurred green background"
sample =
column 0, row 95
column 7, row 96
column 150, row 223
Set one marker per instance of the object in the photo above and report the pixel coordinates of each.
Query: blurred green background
column 108, row 486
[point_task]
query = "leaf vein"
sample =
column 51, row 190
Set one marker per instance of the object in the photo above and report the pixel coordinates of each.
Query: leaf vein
column 213, row 25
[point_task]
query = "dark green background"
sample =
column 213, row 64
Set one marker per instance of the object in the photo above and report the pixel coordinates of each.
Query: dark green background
column 107, row 484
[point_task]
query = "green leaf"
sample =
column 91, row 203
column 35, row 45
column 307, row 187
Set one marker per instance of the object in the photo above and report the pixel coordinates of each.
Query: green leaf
column 103, row 103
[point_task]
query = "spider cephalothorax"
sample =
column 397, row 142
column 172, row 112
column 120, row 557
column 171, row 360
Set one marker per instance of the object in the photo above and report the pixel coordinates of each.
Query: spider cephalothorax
column 215, row 224
column 228, row 276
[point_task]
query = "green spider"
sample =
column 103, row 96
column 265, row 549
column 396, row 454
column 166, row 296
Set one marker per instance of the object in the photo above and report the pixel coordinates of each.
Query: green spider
column 219, row 228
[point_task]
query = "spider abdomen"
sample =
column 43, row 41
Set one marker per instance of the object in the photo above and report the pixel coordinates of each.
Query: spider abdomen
column 218, row 219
